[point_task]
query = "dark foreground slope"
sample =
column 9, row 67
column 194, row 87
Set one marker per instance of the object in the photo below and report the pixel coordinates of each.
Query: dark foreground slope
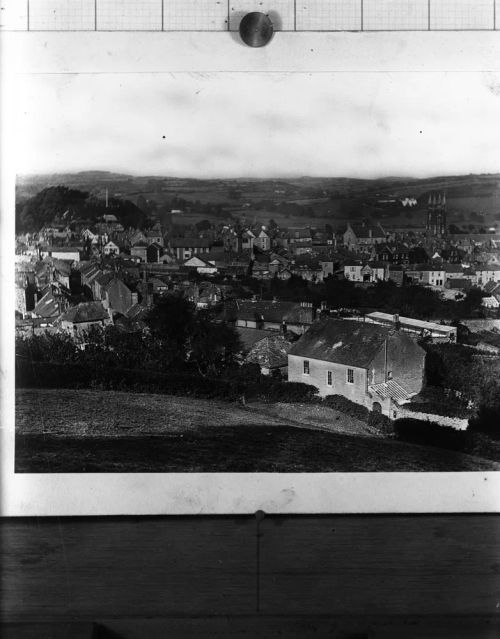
column 96, row 431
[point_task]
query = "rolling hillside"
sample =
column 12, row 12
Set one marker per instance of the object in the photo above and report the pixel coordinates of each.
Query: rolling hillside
column 106, row 431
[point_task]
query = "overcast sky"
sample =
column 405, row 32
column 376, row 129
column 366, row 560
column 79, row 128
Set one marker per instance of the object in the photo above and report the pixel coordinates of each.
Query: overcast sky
column 260, row 125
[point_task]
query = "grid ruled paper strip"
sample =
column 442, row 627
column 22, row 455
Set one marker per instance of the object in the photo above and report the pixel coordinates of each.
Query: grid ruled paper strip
column 129, row 15
column 61, row 15
column 195, row 15
column 281, row 12
column 322, row 15
column 395, row 15
column 211, row 15
column 13, row 15
column 462, row 14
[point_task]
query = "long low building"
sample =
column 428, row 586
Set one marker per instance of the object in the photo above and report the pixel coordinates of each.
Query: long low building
column 369, row 364
column 411, row 325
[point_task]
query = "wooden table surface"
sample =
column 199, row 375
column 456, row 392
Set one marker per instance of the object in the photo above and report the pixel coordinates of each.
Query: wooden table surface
column 335, row 576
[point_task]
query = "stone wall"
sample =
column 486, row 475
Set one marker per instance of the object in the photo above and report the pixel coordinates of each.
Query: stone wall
column 458, row 423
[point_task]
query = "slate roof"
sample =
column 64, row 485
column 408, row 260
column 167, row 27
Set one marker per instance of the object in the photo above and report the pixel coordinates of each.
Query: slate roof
column 85, row 312
column 342, row 341
column 488, row 267
column 306, row 262
column 48, row 305
column 490, row 301
column 299, row 315
column 190, row 242
column 364, row 231
column 250, row 336
column 491, row 286
column 65, row 249
column 104, row 279
column 201, row 262
column 270, row 352
column 391, row 389
column 427, row 267
column 453, row 268
column 63, row 266
column 137, row 312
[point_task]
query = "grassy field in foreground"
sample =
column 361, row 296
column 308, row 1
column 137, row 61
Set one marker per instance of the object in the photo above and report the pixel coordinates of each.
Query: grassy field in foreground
column 104, row 431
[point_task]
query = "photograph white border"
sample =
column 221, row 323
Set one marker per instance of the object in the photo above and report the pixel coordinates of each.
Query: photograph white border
column 220, row 493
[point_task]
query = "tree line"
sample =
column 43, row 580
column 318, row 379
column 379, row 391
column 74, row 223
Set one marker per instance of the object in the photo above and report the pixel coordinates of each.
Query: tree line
column 62, row 205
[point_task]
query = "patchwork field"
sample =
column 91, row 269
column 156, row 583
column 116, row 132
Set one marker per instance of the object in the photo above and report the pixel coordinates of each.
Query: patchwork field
column 105, row 431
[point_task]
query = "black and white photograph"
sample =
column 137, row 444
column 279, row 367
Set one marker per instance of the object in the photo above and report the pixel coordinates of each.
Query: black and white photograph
column 250, row 319
column 257, row 273
column 247, row 279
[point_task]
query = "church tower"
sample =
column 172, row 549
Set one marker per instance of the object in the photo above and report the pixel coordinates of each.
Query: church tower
column 436, row 215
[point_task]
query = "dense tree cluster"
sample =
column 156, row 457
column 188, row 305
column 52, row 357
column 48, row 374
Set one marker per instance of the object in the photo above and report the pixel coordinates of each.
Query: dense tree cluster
column 467, row 376
column 414, row 301
column 62, row 205
column 178, row 338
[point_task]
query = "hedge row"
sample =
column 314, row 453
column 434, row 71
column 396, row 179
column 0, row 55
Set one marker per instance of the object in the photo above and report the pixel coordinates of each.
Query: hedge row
column 344, row 405
column 417, row 431
column 49, row 375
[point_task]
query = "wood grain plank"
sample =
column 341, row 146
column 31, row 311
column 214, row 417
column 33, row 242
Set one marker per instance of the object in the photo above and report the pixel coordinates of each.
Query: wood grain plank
column 304, row 628
column 48, row 631
column 91, row 569
column 86, row 568
column 385, row 565
column 263, row 627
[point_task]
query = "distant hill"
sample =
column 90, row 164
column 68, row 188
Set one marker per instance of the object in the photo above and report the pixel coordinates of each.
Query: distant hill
column 470, row 197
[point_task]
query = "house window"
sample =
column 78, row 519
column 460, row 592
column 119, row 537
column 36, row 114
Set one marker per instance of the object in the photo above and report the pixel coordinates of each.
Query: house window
column 329, row 378
column 306, row 367
column 350, row 375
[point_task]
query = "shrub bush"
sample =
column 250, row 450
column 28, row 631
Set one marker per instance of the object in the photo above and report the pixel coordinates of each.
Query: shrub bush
column 344, row 405
column 380, row 422
column 487, row 417
column 417, row 431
